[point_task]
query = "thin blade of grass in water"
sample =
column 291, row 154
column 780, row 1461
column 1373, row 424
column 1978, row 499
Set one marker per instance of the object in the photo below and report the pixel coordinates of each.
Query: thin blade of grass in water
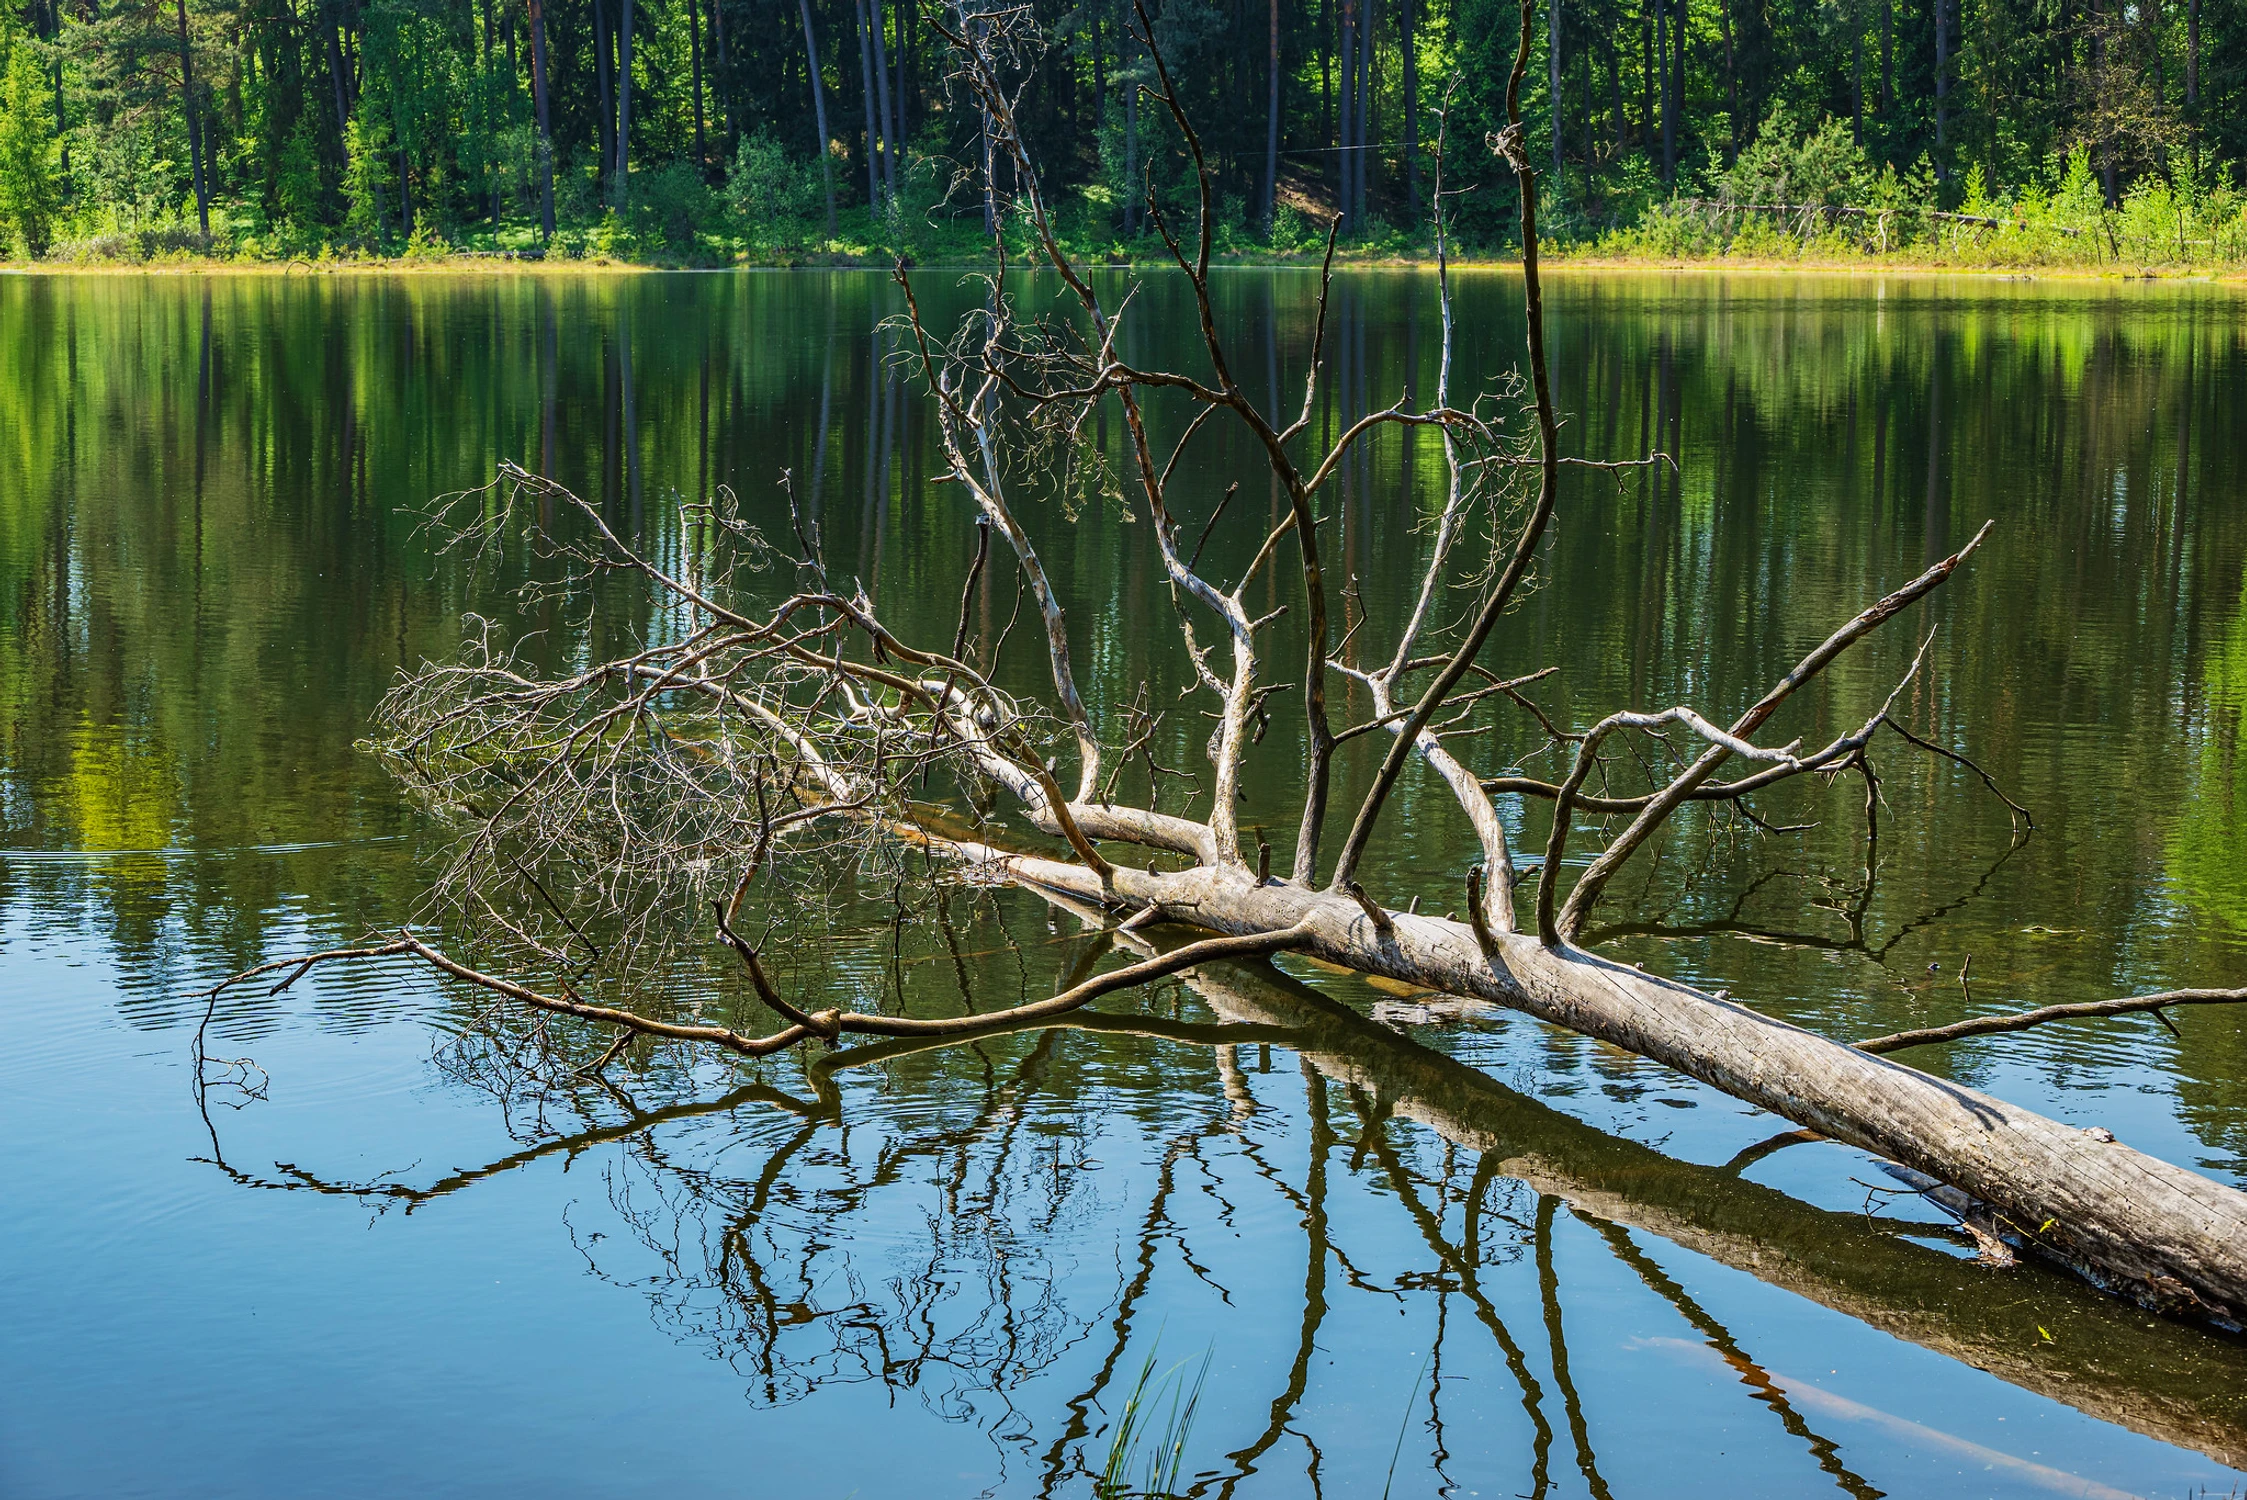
column 1405, row 1422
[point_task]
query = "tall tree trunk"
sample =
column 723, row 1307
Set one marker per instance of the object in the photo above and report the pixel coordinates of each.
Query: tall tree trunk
column 1408, row 44
column 1646, row 77
column 1888, row 61
column 1669, row 109
column 490, row 26
column 1856, row 93
column 1367, row 106
column 882, row 99
column 540, row 95
column 1345, row 115
column 1552, row 73
column 1131, row 138
column 1615, row 95
column 694, row 52
column 606, row 124
column 818, row 111
column 873, row 125
column 1731, row 84
column 54, row 34
column 899, row 137
column 2192, row 59
column 334, row 30
column 1942, row 86
column 199, row 169
column 624, row 103
column 721, row 76
column 1326, row 74
column 1272, row 118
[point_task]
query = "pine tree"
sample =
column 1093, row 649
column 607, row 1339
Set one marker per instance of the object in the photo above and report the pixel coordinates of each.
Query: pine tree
column 366, row 171
column 28, row 198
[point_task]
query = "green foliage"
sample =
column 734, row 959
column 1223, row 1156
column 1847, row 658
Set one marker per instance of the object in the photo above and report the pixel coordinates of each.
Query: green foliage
column 1811, row 194
column 771, row 196
column 1786, row 164
column 2074, row 131
column 366, row 174
column 27, row 151
column 670, row 204
column 298, row 192
column 1161, row 1464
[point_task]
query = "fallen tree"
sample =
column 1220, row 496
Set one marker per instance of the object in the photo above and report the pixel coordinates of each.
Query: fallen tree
column 751, row 740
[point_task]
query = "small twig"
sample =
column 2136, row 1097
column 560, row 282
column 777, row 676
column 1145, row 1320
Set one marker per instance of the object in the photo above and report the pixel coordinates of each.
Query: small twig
column 1987, row 780
column 2021, row 1021
column 974, row 575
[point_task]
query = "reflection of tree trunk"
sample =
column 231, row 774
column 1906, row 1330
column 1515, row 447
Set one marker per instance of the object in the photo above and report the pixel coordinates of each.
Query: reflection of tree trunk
column 1556, row 1343
column 547, row 387
column 1465, row 1265
column 1935, row 522
column 1316, row 1252
column 631, row 415
column 2107, row 1361
column 1720, row 1339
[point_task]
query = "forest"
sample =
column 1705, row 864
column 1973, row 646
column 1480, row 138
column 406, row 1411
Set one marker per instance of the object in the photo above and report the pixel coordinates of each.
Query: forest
column 790, row 131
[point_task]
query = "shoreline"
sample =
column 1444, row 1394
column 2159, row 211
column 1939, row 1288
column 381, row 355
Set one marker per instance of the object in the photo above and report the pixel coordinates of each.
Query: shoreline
column 1561, row 264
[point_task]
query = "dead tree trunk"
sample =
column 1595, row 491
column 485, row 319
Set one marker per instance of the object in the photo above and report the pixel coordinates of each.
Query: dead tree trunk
column 812, row 715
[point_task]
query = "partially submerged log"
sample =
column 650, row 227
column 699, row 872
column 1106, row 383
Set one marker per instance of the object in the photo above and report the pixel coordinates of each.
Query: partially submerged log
column 2069, row 1345
column 2168, row 1238
column 749, row 726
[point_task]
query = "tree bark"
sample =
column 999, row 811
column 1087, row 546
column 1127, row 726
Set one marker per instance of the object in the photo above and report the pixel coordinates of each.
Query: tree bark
column 1272, row 119
column 624, row 104
column 2176, row 1391
column 539, row 96
column 819, row 111
column 873, row 125
column 606, row 123
column 199, row 168
column 694, row 52
column 1669, row 110
column 1942, row 85
column 2167, row 1237
column 1407, row 44
column 1552, row 71
column 882, row 98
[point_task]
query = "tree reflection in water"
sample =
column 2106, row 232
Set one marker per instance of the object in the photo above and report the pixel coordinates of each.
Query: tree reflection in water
column 955, row 1250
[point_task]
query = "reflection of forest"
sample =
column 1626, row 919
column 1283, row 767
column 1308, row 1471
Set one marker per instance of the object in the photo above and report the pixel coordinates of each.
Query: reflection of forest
column 941, row 1260
column 211, row 575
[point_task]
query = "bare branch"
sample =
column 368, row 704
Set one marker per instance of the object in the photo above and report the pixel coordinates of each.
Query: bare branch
column 1928, row 1036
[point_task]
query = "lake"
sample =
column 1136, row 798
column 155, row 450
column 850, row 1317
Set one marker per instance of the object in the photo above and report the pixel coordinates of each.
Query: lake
column 1404, row 1245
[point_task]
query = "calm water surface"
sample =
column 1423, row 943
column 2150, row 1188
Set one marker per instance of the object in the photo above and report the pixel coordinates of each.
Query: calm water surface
column 1421, row 1250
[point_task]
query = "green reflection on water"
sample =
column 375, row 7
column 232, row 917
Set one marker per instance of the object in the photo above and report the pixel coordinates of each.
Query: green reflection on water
column 212, row 571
